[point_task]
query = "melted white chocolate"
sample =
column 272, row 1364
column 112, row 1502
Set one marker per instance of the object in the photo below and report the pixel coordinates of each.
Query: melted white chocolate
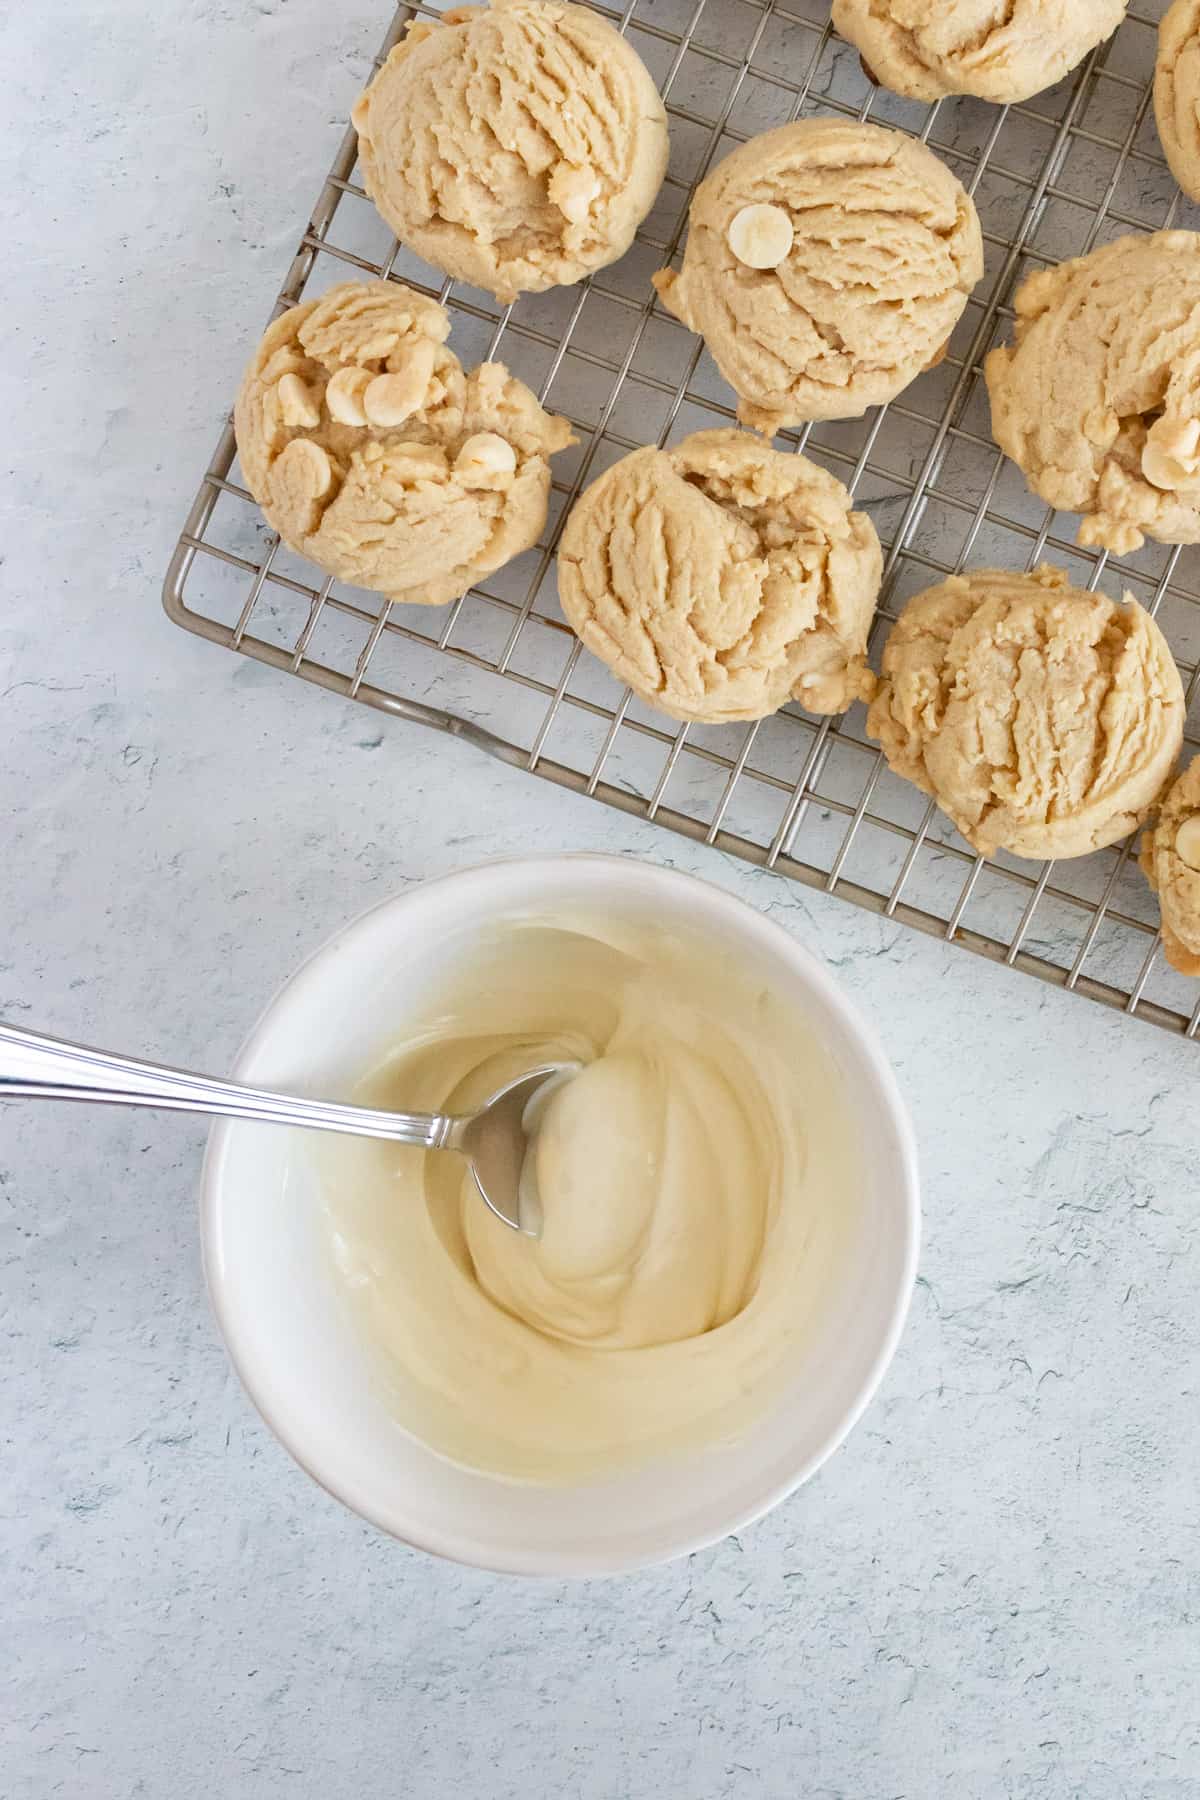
column 697, row 1179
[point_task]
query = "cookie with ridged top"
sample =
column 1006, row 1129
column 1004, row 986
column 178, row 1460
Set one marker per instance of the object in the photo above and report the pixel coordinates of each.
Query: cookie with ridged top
column 827, row 264
column 373, row 452
column 1043, row 719
column 999, row 50
column 516, row 146
column 1098, row 398
column 721, row 578
column 1177, row 93
column 1170, row 860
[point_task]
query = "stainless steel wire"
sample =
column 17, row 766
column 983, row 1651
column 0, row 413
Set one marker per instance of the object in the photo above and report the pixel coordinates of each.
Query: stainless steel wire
column 808, row 798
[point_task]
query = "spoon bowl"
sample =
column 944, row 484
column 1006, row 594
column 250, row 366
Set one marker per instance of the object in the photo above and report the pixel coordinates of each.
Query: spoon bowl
column 496, row 1142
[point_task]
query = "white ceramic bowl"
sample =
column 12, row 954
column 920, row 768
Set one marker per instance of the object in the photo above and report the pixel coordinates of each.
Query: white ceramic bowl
column 308, row 1371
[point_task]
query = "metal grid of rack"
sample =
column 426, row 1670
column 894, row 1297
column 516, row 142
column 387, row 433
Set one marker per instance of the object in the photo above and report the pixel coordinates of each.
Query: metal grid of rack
column 809, row 798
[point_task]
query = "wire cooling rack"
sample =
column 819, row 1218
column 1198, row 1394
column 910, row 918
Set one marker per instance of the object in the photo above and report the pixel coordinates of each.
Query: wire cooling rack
column 807, row 797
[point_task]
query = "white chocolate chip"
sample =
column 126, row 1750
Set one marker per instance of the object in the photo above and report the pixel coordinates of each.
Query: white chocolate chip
column 344, row 395
column 1187, row 842
column 1171, row 456
column 1179, row 438
column 1166, row 472
column 572, row 190
column 390, row 399
column 296, row 405
column 760, row 236
column 485, row 460
column 307, row 468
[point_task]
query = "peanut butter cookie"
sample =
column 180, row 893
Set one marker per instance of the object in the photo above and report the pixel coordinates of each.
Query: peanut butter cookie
column 1000, row 50
column 373, row 453
column 827, row 264
column 1098, row 400
column 721, row 578
column 1044, row 720
column 1170, row 859
column 1177, row 93
column 517, row 146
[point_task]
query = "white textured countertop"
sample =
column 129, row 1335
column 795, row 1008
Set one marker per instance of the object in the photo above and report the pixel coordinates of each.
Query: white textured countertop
column 992, row 1590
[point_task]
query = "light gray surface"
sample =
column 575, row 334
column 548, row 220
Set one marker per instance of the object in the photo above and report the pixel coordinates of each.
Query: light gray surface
column 991, row 1590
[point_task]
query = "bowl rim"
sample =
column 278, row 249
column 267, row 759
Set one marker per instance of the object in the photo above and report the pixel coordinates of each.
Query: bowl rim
column 559, row 1564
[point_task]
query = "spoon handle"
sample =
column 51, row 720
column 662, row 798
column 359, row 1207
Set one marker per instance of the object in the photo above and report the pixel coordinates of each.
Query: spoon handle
column 34, row 1066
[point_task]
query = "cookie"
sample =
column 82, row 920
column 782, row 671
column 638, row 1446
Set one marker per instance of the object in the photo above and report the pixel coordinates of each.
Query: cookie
column 516, row 147
column 1000, row 50
column 373, row 453
column 1170, row 860
column 827, row 264
column 1044, row 720
column 1177, row 93
column 721, row 578
column 1098, row 400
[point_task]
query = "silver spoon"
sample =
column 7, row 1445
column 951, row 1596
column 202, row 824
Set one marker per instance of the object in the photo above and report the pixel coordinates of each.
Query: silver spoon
column 494, row 1140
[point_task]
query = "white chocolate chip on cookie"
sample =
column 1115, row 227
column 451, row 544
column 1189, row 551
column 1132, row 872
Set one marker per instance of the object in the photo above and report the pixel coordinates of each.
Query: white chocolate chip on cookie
column 572, row 190
column 1161, row 470
column 308, row 468
column 392, row 398
column 760, row 236
column 1187, row 842
column 297, row 406
column 1171, row 457
column 485, row 460
column 344, row 395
